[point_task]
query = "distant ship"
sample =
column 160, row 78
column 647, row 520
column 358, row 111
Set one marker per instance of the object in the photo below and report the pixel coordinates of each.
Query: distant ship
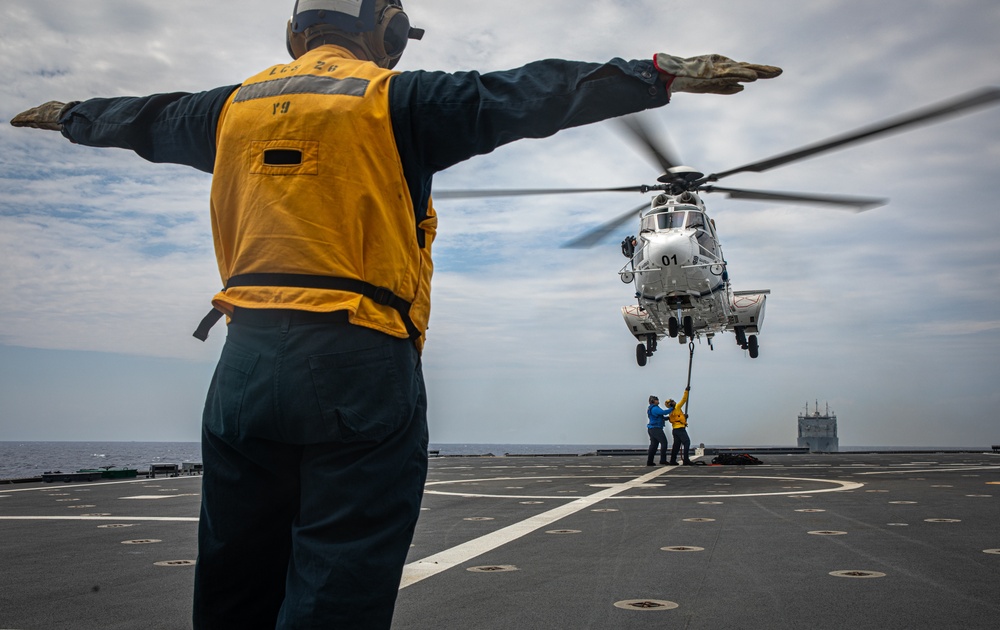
column 818, row 431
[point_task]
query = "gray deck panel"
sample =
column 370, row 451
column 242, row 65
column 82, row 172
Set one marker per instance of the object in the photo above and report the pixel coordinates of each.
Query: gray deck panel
column 760, row 566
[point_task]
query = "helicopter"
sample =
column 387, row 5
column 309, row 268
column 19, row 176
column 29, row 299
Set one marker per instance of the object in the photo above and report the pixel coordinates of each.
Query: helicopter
column 676, row 264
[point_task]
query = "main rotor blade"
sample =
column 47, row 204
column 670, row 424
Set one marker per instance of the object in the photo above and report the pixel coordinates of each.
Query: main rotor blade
column 518, row 192
column 859, row 203
column 658, row 151
column 978, row 98
column 592, row 237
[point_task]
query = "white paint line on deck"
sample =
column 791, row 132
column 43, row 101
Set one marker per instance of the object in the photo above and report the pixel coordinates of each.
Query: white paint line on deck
column 432, row 565
column 184, row 519
column 66, row 486
column 910, row 471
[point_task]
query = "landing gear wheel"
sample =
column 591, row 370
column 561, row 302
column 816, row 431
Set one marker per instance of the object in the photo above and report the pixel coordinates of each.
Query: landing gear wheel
column 688, row 326
column 640, row 355
column 752, row 346
column 672, row 327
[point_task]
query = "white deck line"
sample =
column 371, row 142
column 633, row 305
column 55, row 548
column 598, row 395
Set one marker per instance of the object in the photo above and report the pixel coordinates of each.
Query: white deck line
column 185, row 519
column 444, row 560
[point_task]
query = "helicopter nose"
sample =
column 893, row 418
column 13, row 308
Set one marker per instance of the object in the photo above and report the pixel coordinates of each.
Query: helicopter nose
column 670, row 250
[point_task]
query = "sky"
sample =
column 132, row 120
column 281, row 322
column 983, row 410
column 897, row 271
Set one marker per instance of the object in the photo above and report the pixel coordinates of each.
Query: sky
column 891, row 316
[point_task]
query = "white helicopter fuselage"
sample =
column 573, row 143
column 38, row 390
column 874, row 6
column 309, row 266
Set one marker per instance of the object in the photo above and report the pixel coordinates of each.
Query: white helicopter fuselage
column 681, row 282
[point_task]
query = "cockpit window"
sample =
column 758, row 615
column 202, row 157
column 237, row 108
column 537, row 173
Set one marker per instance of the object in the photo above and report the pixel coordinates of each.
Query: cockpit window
column 669, row 220
column 675, row 219
column 696, row 220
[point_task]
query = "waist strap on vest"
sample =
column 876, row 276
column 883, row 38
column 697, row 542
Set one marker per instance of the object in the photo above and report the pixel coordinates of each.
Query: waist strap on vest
column 379, row 295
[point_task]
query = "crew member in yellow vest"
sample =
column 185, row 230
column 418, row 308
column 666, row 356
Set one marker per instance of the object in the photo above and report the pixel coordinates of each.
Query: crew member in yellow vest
column 315, row 431
column 678, row 420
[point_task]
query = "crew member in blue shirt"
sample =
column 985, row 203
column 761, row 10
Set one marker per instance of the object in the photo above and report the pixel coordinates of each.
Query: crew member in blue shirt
column 314, row 430
column 657, row 416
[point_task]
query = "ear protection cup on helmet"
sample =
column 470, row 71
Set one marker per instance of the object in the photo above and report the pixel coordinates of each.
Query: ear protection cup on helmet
column 381, row 32
column 294, row 42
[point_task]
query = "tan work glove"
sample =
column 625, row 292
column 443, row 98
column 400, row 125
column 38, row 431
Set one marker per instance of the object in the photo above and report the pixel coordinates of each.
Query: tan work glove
column 709, row 74
column 44, row 116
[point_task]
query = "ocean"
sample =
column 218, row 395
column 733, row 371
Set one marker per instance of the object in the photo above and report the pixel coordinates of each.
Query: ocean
column 19, row 460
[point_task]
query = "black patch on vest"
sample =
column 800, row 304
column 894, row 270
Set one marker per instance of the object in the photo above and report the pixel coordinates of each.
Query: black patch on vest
column 282, row 157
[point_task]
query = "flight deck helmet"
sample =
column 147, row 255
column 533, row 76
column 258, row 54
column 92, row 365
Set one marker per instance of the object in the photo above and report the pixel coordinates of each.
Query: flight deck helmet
column 373, row 29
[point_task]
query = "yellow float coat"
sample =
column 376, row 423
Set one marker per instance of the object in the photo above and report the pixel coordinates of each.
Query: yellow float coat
column 677, row 418
column 308, row 181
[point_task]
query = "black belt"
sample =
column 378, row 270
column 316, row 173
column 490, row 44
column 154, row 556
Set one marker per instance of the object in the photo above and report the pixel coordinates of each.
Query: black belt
column 273, row 316
column 379, row 295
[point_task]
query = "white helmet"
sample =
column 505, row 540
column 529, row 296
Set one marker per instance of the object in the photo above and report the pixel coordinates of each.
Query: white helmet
column 376, row 29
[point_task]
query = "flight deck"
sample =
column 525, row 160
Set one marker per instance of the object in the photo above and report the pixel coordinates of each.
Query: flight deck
column 887, row 540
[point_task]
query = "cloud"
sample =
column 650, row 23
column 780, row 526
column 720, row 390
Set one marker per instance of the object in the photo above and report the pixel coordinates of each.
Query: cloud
column 101, row 251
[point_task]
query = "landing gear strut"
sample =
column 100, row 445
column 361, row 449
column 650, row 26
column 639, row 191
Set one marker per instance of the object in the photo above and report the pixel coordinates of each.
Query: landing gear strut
column 741, row 337
column 644, row 351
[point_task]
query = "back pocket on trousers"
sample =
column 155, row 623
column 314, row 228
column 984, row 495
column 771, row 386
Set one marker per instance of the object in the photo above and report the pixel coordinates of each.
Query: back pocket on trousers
column 228, row 392
column 362, row 394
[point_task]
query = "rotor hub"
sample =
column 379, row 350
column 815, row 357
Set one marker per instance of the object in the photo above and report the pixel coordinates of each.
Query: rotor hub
column 682, row 177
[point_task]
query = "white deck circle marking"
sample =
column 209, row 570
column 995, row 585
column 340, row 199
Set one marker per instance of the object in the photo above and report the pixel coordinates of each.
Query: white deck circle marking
column 839, row 486
column 430, row 566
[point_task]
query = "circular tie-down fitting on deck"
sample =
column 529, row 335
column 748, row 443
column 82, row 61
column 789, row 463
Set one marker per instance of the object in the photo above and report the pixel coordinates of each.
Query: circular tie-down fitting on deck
column 682, row 548
column 646, row 604
column 563, row 531
column 141, row 541
column 942, row 520
column 492, row 568
column 174, row 563
column 853, row 573
column 827, row 532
